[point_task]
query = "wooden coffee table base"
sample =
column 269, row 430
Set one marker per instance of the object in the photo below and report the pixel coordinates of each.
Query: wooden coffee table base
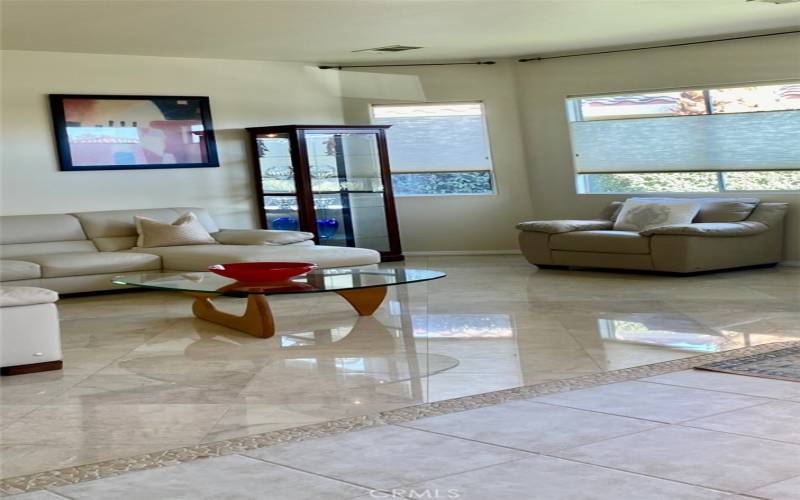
column 257, row 319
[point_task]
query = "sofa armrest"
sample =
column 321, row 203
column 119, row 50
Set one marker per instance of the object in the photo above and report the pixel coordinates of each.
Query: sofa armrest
column 260, row 237
column 724, row 229
column 563, row 226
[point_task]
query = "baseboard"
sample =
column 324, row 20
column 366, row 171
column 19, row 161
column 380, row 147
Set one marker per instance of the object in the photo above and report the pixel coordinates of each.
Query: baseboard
column 436, row 253
column 441, row 253
column 31, row 368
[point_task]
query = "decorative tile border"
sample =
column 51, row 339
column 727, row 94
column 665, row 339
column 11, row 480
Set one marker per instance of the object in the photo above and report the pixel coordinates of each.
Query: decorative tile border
column 109, row 468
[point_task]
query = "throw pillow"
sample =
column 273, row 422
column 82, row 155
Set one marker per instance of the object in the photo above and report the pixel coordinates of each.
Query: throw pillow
column 642, row 215
column 186, row 230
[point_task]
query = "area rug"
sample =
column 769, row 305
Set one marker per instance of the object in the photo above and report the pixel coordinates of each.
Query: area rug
column 783, row 364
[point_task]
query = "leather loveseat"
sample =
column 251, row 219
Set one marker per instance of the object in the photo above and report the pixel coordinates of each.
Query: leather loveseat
column 725, row 233
column 81, row 252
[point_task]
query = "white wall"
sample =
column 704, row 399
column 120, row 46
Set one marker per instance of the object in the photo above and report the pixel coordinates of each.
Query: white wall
column 455, row 223
column 243, row 94
column 525, row 114
column 543, row 86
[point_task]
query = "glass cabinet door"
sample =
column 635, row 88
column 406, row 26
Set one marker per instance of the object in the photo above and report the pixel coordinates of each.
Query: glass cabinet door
column 347, row 188
column 278, row 181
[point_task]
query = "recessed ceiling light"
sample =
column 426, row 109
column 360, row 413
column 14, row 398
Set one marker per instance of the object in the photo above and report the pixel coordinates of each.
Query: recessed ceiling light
column 390, row 48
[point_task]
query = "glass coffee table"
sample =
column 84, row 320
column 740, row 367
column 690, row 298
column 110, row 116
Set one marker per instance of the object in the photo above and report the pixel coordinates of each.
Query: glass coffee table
column 364, row 289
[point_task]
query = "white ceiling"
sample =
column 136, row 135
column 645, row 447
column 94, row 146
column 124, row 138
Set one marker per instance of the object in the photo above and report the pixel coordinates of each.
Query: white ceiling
column 327, row 31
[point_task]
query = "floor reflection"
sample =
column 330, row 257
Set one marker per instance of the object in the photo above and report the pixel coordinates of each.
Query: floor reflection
column 142, row 375
column 681, row 336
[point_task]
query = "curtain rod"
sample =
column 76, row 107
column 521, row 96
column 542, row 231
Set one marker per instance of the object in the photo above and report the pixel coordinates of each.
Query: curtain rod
column 680, row 44
column 400, row 65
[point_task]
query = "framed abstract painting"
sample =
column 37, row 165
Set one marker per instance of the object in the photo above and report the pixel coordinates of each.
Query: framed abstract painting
column 120, row 132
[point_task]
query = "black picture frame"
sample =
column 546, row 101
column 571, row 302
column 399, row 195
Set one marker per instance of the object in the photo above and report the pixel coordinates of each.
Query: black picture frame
column 207, row 140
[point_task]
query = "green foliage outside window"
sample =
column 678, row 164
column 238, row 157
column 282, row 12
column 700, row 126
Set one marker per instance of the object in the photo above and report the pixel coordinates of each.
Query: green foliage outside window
column 692, row 182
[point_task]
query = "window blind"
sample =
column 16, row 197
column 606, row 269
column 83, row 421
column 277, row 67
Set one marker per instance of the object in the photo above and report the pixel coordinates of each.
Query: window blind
column 438, row 143
column 767, row 140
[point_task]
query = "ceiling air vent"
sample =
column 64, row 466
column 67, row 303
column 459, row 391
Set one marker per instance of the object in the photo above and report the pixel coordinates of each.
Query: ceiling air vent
column 390, row 48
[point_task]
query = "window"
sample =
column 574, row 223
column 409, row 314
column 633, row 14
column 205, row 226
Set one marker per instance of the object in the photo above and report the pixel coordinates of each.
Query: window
column 692, row 140
column 437, row 149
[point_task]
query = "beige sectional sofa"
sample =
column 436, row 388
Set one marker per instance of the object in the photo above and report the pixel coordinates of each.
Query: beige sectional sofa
column 81, row 252
column 726, row 233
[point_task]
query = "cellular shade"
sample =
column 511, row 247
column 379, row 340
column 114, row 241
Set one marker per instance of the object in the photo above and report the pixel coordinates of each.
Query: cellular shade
column 435, row 138
column 767, row 140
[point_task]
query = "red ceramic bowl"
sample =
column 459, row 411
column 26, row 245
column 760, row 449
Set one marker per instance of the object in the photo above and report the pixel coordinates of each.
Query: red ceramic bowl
column 262, row 272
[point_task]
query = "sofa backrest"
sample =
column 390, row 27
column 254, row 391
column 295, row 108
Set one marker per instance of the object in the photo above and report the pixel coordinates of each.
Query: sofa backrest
column 725, row 209
column 29, row 235
column 711, row 209
column 113, row 230
column 106, row 231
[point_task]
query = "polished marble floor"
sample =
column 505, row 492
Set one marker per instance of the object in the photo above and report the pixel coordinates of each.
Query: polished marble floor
column 142, row 375
column 682, row 435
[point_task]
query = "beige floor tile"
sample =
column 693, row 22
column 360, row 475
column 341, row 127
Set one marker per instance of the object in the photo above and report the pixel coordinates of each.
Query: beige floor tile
column 232, row 477
column 88, row 360
column 247, row 419
column 775, row 420
column 100, row 333
column 546, row 478
column 35, row 388
column 194, row 388
column 531, row 426
column 455, row 385
column 725, row 382
column 167, row 425
column 11, row 413
column 705, row 458
column 616, row 356
column 38, row 495
column 24, row 459
column 386, row 457
column 657, row 402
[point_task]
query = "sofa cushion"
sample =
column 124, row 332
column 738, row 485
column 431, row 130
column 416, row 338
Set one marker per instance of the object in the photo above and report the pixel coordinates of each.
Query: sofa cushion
column 111, row 223
column 611, row 211
column 11, row 296
column 115, row 243
column 11, row 270
column 601, row 242
column 722, row 229
column 563, row 226
column 260, row 237
column 770, row 214
column 725, row 210
column 39, row 228
column 199, row 257
column 80, row 264
column 716, row 209
column 25, row 250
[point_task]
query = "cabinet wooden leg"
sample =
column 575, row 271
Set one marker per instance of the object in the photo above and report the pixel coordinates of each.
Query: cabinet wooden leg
column 365, row 300
column 257, row 318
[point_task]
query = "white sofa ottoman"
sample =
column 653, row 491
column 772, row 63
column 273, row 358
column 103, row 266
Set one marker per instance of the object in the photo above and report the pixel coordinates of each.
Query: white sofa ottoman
column 30, row 339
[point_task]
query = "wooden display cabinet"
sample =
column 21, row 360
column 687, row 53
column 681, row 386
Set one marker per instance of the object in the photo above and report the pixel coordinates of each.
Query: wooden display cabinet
column 330, row 180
